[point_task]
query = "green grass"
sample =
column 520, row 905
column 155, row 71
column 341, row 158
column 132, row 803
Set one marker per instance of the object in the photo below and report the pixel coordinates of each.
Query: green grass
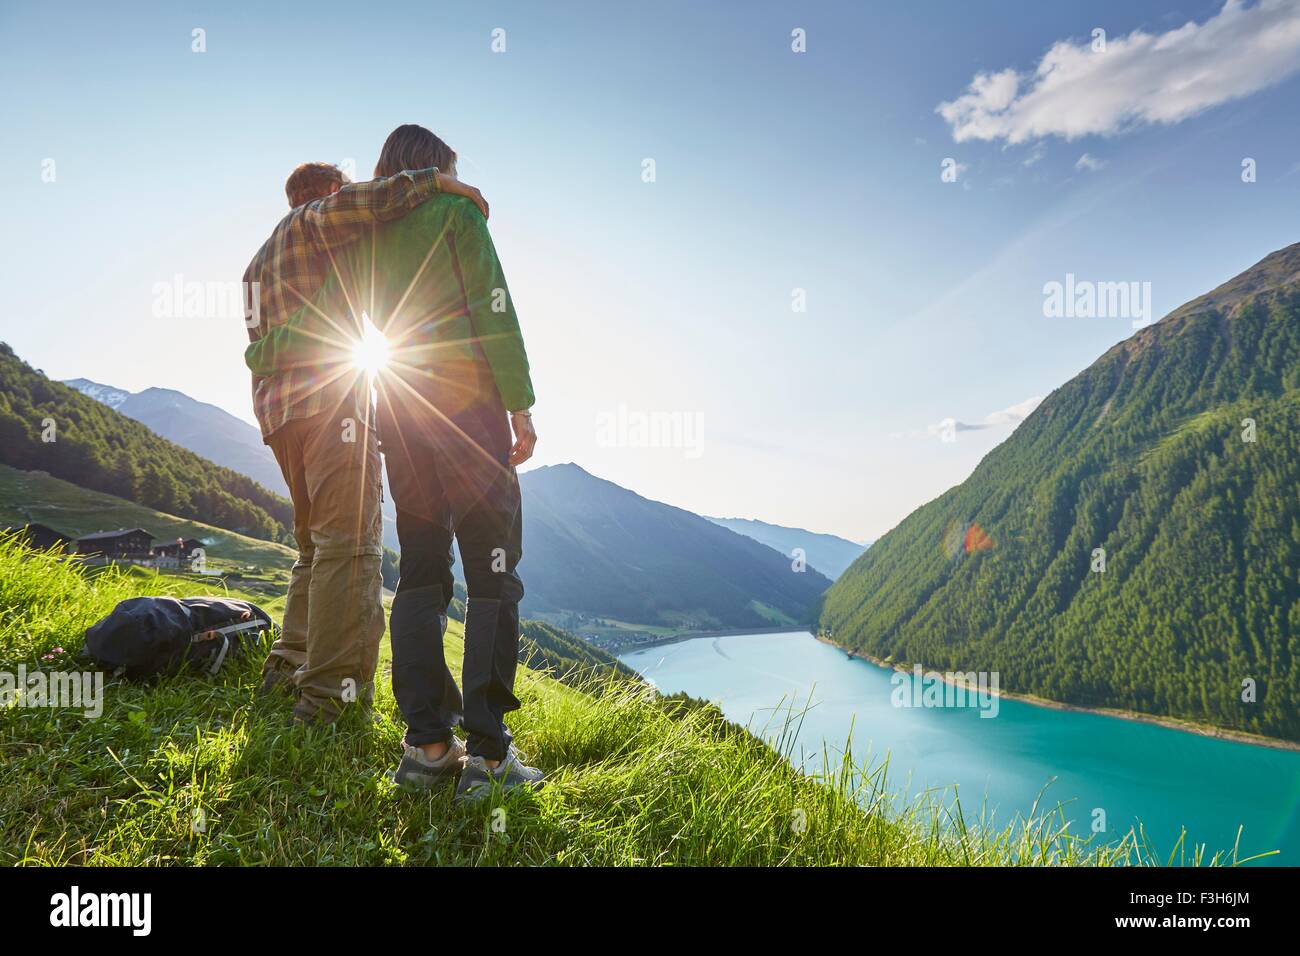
column 198, row 771
column 774, row 615
column 34, row 496
column 607, row 626
column 1190, row 427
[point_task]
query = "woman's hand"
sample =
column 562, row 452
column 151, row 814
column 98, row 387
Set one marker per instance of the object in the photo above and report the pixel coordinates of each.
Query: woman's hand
column 454, row 187
column 525, row 437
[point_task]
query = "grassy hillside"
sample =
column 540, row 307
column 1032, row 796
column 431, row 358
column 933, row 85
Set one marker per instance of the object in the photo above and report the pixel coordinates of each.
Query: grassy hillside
column 1140, row 456
column 30, row 496
column 47, row 426
column 196, row 770
column 565, row 655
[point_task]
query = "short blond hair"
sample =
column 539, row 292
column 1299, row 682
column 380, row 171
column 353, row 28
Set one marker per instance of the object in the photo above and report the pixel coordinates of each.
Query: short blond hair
column 312, row 181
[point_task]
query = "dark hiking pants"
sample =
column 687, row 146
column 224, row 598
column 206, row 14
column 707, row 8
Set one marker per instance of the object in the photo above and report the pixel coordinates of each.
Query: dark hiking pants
column 454, row 478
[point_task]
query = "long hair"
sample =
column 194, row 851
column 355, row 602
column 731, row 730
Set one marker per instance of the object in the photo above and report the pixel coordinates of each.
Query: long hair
column 414, row 147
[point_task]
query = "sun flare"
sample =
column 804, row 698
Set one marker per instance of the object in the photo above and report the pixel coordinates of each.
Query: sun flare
column 370, row 353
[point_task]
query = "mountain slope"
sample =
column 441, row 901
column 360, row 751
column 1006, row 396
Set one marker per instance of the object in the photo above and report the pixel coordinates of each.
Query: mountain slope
column 48, row 426
column 566, row 656
column 208, row 431
column 36, row 497
column 634, row 779
column 211, row 432
column 828, row 553
column 111, row 396
column 1141, row 455
column 595, row 548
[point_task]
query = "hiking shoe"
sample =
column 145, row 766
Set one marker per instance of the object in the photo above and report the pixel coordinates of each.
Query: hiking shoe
column 419, row 772
column 277, row 679
column 312, row 714
column 477, row 779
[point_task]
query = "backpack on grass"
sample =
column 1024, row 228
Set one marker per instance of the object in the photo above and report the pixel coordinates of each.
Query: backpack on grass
column 151, row 636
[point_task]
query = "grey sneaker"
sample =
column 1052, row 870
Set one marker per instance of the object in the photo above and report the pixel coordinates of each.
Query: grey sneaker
column 419, row 772
column 477, row 780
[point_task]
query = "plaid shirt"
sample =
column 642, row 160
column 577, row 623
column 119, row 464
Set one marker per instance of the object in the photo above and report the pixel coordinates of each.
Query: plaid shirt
column 289, row 269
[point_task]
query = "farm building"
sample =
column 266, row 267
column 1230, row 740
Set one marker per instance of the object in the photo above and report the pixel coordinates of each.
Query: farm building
column 40, row 536
column 130, row 544
column 177, row 552
column 178, row 548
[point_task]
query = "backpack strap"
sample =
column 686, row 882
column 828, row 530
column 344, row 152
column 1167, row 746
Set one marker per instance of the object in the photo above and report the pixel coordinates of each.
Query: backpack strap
column 226, row 633
column 221, row 654
column 253, row 625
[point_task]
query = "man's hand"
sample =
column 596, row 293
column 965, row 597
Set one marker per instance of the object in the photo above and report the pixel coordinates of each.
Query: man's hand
column 454, row 187
column 525, row 437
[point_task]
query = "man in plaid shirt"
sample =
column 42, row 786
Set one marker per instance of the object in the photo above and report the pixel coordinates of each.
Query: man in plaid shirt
column 316, row 420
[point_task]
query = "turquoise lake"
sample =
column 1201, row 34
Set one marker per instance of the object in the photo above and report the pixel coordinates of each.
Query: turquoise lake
column 1165, row 778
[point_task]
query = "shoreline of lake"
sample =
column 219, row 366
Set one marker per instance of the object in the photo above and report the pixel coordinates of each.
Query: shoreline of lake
column 1109, row 775
column 698, row 635
column 1172, row 723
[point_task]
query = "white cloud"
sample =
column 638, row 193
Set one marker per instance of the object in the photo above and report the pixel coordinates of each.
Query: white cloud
column 1139, row 79
column 949, row 426
column 1089, row 163
column 1035, row 154
column 1012, row 415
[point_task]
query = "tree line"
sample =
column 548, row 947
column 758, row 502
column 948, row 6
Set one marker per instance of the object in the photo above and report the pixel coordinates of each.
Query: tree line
column 47, row 426
column 1144, row 526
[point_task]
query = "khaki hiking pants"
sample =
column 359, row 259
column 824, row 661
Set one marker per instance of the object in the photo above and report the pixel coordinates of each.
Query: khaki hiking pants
column 333, row 616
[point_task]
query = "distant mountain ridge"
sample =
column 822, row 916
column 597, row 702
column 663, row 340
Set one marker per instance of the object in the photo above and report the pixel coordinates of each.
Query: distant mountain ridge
column 593, row 547
column 1134, row 543
column 210, row 431
column 204, row 429
column 828, row 553
column 48, row 426
column 226, row 440
column 110, row 396
column 646, row 579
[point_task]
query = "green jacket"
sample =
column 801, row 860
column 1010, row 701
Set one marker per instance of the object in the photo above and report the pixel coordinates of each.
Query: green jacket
column 432, row 283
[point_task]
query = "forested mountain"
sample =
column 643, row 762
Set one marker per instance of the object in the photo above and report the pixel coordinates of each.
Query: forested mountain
column 828, row 553
column 593, row 547
column 1178, row 453
column 48, row 426
column 204, row 429
column 212, row 433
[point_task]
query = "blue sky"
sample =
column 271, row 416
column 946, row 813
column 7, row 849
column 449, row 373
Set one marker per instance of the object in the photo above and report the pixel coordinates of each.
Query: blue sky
column 775, row 171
